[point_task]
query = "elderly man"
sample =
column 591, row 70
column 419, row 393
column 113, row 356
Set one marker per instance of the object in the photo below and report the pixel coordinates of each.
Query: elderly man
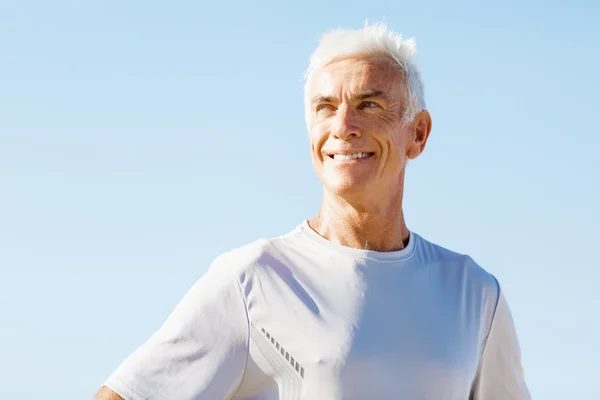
column 350, row 304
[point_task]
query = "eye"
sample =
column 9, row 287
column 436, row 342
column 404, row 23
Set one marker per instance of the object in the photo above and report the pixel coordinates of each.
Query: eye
column 323, row 108
column 368, row 104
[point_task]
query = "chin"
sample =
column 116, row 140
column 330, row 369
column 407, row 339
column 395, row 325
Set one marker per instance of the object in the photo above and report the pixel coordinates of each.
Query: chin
column 347, row 187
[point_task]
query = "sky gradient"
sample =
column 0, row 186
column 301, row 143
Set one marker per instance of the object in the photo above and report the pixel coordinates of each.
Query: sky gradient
column 139, row 140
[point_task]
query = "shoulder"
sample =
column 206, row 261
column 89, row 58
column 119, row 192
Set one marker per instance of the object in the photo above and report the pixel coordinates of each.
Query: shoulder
column 261, row 254
column 452, row 263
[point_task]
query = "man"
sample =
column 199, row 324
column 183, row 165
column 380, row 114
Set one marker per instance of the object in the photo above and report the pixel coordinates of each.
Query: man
column 351, row 304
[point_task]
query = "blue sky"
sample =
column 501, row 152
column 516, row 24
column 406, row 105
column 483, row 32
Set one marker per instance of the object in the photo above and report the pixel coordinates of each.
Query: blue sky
column 138, row 140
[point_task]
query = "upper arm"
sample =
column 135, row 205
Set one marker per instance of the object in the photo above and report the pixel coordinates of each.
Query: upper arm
column 500, row 374
column 200, row 351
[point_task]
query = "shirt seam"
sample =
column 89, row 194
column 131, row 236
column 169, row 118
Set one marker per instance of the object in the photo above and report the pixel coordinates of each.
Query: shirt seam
column 239, row 285
column 485, row 340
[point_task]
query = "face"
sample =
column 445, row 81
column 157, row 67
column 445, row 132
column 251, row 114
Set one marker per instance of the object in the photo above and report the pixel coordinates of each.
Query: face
column 359, row 142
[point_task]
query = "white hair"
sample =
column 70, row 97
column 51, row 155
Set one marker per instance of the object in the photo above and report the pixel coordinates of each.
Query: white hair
column 371, row 40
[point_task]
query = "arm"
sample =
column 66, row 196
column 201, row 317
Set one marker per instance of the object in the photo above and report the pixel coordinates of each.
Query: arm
column 106, row 394
column 200, row 352
column 500, row 374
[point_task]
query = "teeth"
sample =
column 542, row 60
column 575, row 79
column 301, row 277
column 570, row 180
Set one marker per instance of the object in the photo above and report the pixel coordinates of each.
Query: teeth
column 350, row 156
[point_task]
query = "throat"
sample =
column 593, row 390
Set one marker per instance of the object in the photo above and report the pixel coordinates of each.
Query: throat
column 374, row 237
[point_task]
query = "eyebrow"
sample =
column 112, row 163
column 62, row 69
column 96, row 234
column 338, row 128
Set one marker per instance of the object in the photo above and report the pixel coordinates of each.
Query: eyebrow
column 369, row 94
column 364, row 95
column 322, row 99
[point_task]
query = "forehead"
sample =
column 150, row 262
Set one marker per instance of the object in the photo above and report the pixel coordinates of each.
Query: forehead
column 354, row 74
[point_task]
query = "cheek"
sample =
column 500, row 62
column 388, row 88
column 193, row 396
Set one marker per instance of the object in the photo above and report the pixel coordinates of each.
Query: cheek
column 315, row 146
column 394, row 148
column 317, row 135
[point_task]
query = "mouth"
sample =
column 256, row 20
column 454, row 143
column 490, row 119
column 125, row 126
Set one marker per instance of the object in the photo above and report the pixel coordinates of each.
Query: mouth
column 348, row 157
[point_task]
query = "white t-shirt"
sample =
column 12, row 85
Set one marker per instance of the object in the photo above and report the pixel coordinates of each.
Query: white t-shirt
column 301, row 317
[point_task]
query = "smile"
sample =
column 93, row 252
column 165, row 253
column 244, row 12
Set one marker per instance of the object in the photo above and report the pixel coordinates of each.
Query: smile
column 346, row 157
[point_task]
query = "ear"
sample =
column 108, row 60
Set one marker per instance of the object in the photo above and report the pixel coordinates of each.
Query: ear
column 420, row 128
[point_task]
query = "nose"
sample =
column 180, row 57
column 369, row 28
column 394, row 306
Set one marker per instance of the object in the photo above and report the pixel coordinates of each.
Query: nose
column 344, row 125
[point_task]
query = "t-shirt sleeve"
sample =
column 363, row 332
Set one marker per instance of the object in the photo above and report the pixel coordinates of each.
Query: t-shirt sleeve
column 500, row 375
column 200, row 352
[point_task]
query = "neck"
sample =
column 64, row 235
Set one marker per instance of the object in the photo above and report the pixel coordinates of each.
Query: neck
column 370, row 225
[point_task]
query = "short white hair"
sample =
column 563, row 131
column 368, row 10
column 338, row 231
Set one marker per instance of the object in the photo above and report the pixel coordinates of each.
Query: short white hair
column 372, row 40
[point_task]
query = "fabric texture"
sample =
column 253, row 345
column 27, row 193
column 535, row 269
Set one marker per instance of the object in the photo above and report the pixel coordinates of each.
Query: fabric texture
column 301, row 317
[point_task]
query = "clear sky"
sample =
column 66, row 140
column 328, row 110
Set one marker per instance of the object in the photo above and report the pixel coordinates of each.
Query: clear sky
column 140, row 139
